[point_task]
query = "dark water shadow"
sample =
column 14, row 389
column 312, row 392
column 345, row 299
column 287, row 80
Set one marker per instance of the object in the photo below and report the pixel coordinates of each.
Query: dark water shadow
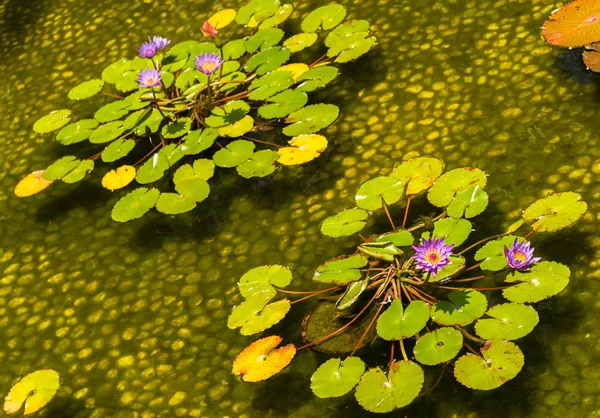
column 86, row 195
column 269, row 398
column 66, row 407
column 571, row 67
column 18, row 18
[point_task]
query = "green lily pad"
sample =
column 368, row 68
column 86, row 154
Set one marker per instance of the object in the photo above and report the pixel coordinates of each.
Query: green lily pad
column 438, row 346
column 256, row 11
column 341, row 270
column 258, row 283
column 464, row 307
column 234, row 154
column 237, row 76
column 380, row 250
column 267, row 60
column 311, row 119
column 261, row 164
column 128, row 82
column 107, row 132
column 352, row 293
column 399, row 239
column 177, row 128
column 418, row 174
column 283, row 104
column 501, row 362
column 52, row 121
column 545, row 279
column 77, row 131
column 316, row 78
column 340, row 45
column 190, row 180
column 153, row 169
column 344, row 223
column 230, row 67
column 192, row 49
column 377, row 392
column 336, row 378
column 491, row 255
column 149, row 124
column 326, row 17
column 135, row 204
column 555, row 212
column 453, row 231
column 397, row 323
column 114, row 72
column 300, row 41
column 343, row 32
column 167, row 79
column 61, row 168
column 355, row 49
column 174, row 204
column 32, row 392
column 266, row 86
column 511, row 321
column 139, row 100
column 372, row 193
column 255, row 321
column 455, row 181
column 117, row 149
column 86, row 89
column 189, row 77
column 278, row 18
column 136, row 118
column 112, row 111
column 199, row 140
column 264, row 39
column 235, row 49
column 79, row 172
column 172, row 153
column 468, row 203
column 457, row 265
column 230, row 113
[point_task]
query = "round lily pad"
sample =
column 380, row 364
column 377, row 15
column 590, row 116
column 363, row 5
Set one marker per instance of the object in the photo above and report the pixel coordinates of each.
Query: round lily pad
column 462, row 308
column 545, row 279
column 343, row 32
column 555, row 212
column 355, row 48
column 232, row 112
column 449, row 184
column 32, row 183
column 112, row 111
column 372, row 193
column 453, row 231
column 135, row 204
column 199, row 140
column 76, row 132
column 61, row 167
column 418, row 174
column 117, row 149
column 256, row 11
column 326, row 17
column 32, row 392
column 397, row 323
column 177, row 128
column 457, row 265
column 399, row 239
column 267, row 60
column 501, row 362
column 149, row 124
column 574, row 24
column 260, row 360
column 53, row 121
column 153, row 169
column 115, row 71
column 353, row 292
column 278, row 18
column 438, row 346
column 264, row 39
column 79, row 172
column 302, row 149
column 266, row 86
column 316, row 78
column 468, row 203
column 174, row 204
column 86, row 89
column 254, row 316
column 311, row 119
column 336, row 378
column 119, row 178
column 107, row 132
column 341, row 270
column 235, row 49
column 510, row 321
column 300, row 41
column 190, row 180
column 259, row 282
column 491, row 255
column 238, row 128
column 261, row 164
column 234, row 154
column 345, row 223
column 377, row 392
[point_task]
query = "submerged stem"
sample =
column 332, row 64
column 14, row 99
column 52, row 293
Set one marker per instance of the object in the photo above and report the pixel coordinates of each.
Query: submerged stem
column 469, row 335
column 311, row 295
column 403, row 349
column 406, row 212
column 387, row 212
column 367, row 330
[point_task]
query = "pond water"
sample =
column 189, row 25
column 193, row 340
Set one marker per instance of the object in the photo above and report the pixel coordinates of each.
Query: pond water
column 133, row 315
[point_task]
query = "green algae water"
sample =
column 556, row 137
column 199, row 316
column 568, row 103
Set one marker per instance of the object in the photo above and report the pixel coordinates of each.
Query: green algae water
column 133, row 316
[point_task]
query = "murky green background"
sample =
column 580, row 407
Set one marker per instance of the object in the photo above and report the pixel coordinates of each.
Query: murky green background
column 134, row 316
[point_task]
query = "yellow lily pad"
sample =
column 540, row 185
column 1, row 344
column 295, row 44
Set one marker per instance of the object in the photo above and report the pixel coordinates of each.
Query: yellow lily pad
column 32, row 392
column 119, row 178
column 260, row 361
column 296, row 69
column 303, row 149
column 222, row 18
column 33, row 183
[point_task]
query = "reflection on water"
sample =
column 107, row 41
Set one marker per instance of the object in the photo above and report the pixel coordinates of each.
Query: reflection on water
column 134, row 315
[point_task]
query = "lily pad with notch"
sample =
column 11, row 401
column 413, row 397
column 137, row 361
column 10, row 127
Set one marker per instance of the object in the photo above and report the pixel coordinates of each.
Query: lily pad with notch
column 282, row 104
column 260, row 360
column 353, row 292
column 399, row 238
column 336, row 377
column 418, row 174
column 117, row 149
column 372, row 193
column 177, row 128
column 311, row 119
column 278, row 17
column 491, row 255
column 107, row 132
column 270, row 84
column 545, row 279
column 341, row 270
column 119, row 178
column 397, row 322
column 438, row 346
column 555, row 212
column 135, row 204
column 303, row 148
column 300, row 41
column 52, row 121
column 345, row 223
column 468, row 203
column 446, row 273
column 191, row 180
column 453, row 182
column 316, row 78
column 380, row 250
column 267, row 60
column 261, row 164
column 264, row 39
column 199, row 140
column 77, row 131
column 253, row 318
column 259, row 281
column 452, row 231
column 234, row 154
column 86, row 89
column 174, row 204
column 462, row 308
column 325, row 17
column 32, row 392
column 508, row 321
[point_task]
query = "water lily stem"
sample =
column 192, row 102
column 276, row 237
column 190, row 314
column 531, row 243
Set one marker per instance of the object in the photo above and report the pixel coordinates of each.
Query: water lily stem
column 392, row 354
column 469, row 335
column 471, row 349
column 471, row 279
column 362, row 337
column 473, row 267
column 312, row 295
column 474, row 288
column 440, row 216
column 387, row 212
column 404, row 356
column 147, row 155
column 530, row 233
column 114, row 96
column 406, row 212
column 293, row 292
column 481, row 242
column 262, row 142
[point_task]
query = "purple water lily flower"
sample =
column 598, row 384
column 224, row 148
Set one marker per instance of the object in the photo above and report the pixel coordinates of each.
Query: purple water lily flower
column 432, row 255
column 208, row 63
column 520, row 255
column 147, row 50
column 149, row 78
column 160, row 42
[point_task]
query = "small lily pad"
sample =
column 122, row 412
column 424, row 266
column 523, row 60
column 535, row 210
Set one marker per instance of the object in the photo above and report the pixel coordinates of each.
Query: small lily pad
column 326, row 17
column 117, row 149
column 222, row 18
column 135, row 204
column 174, row 204
column 418, row 174
column 355, row 49
column 282, row 104
column 238, row 128
column 264, row 39
column 259, row 282
column 341, row 270
column 397, row 323
column 119, row 178
column 345, row 223
column 453, row 182
column 79, row 172
column 336, row 378
column 380, row 250
column 462, row 308
column 77, row 131
column 278, row 17
column 177, row 128
column 399, row 239
column 32, row 184
column 190, row 180
column 555, row 212
column 453, row 231
column 438, row 346
column 260, row 360
column 107, row 132
column 256, row 11
column 267, row 60
column 61, row 167
column 352, row 293
column 235, row 49
column 234, row 154
column 86, row 89
column 311, row 119
column 153, row 169
column 53, row 121
column 343, row 32
column 261, row 164
column 316, row 78
column 510, row 321
column 252, row 320
column 373, row 193
column 491, row 255
column 545, row 279
column 300, row 41
column 303, row 148
column 266, row 86
column 32, row 392
column 468, row 203
column 199, row 140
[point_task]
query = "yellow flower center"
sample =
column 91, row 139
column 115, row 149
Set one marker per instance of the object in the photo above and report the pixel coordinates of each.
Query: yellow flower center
column 208, row 66
column 519, row 256
column 432, row 257
column 150, row 81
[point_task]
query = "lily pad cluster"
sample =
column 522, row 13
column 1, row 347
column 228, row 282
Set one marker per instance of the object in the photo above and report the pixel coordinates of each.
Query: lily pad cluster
column 423, row 288
column 185, row 110
column 574, row 25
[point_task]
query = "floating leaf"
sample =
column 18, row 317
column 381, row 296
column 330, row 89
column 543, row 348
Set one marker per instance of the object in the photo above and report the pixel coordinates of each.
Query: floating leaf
column 468, row 203
column 455, row 181
column 591, row 59
column 86, row 89
column 107, row 132
column 174, row 204
column 345, row 223
column 300, row 41
column 372, row 193
column 153, row 169
column 172, row 153
column 61, row 167
column 501, row 362
column 254, row 318
column 352, row 293
column 356, row 49
column 112, row 111
column 378, row 393
column 492, row 255
column 267, row 60
column 555, row 212
column 34, row 391
column 303, row 148
column 399, row 239
column 79, row 172
column 261, row 164
column 115, row 71
column 149, row 124
column 230, row 113
column 457, row 265
column 438, row 346
column 341, row 270
column 510, row 321
column 234, row 154
column 128, row 82
column 297, row 69
column 222, row 18
column 316, row 78
column 326, row 17
column 117, row 149
column 464, row 307
column 283, row 104
column 53, row 121
column 453, row 231
column 336, row 378
column 574, row 24
column 235, row 49
column 177, row 128
column 77, row 131
column 119, row 178
column 190, row 180
column 135, row 204
column 259, row 282
column 545, row 279
column 264, row 39
column 189, row 77
column 397, row 323
column 344, row 32
column 260, row 360
column 139, row 100
column 380, row 250
column 199, row 140
column 418, row 174
column 256, row 11
column 32, row 183
column 278, row 18
column 311, row 119
column 266, row 86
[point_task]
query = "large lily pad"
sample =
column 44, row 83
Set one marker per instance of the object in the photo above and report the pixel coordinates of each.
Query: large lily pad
column 455, row 181
column 468, row 203
column 438, row 346
column 32, row 392
column 149, row 124
column 341, row 270
column 418, row 174
column 345, row 223
column 32, row 184
column 510, row 321
column 62, row 167
column 86, row 89
column 336, row 378
column 453, row 231
column 344, row 32
column 256, row 11
column 79, row 172
column 237, row 129
column 135, row 204
column 311, row 119
column 267, row 60
column 573, row 25
column 326, row 17
column 53, row 121
column 234, row 154
column 177, row 128
column 352, row 294
column 501, row 362
column 259, row 282
column 316, row 78
column 462, row 308
column 491, row 255
column 77, row 131
column 303, row 148
column 282, row 104
column 253, row 316
column 545, row 279
column 377, row 392
column 555, row 212
column 300, row 41
column 235, row 49
column 261, row 164
column 174, row 204
column 397, row 323
column 355, row 48
column 119, row 178
column 372, row 193
column 232, row 112
column 222, row 18
column 260, row 360
column 199, row 140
